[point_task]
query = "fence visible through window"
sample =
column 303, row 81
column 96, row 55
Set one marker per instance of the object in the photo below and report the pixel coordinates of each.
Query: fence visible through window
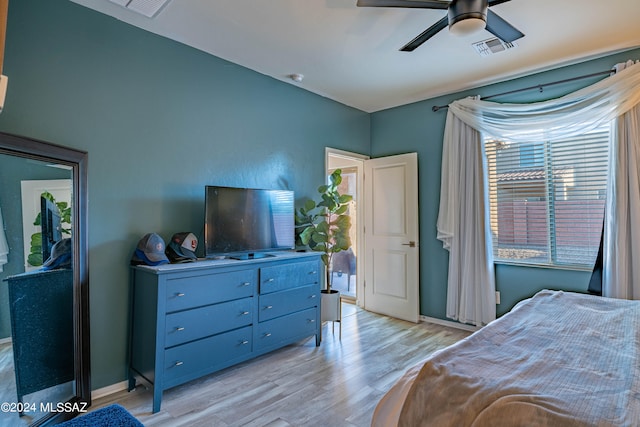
column 547, row 198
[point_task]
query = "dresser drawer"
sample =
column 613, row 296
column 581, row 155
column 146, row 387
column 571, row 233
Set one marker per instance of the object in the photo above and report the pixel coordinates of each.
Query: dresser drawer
column 273, row 332
column 195, row 291
column 190, row 325
column 277, row 304
column 281, row 277
column 206, row 354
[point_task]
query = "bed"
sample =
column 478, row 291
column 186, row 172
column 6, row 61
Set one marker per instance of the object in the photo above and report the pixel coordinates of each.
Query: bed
column 557, row 359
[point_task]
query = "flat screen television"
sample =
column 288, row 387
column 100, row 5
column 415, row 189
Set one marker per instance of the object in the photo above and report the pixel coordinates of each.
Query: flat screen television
column 51, row 226
column 246, row 222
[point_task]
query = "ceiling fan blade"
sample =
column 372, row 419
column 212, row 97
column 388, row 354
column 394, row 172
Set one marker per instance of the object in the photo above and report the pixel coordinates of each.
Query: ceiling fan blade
column 501, row 28
column 426, row 35
column 495, row 2
column 419, row 4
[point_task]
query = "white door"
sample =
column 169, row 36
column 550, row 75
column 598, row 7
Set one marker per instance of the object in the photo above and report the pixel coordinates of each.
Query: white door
column 391, row 236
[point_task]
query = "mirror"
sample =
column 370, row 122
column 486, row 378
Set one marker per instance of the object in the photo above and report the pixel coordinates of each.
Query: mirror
column 44, row 300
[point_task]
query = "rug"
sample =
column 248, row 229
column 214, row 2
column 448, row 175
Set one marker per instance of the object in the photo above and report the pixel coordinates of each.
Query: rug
column 109, row 416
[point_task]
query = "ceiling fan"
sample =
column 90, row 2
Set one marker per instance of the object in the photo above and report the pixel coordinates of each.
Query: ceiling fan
column 463, row 17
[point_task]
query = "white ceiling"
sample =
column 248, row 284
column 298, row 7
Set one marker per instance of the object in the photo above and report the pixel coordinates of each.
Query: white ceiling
column 350, row 54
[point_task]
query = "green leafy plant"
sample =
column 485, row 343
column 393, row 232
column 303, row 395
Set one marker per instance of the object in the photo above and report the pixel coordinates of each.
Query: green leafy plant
column 35, row 255
column 324, row 226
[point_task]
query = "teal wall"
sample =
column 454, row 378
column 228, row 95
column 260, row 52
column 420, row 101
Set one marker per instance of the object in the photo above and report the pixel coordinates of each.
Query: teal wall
column 416, row 128
column 160, row 121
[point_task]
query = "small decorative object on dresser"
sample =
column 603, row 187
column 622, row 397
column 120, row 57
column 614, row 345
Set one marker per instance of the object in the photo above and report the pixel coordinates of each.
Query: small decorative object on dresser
column 192, row 319
column 324, row 227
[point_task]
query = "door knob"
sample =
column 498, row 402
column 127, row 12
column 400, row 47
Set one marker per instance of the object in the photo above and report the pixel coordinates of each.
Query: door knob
column 411, row 244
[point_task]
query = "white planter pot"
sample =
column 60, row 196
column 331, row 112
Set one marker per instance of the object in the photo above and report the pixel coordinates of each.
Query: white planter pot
column 330, row 303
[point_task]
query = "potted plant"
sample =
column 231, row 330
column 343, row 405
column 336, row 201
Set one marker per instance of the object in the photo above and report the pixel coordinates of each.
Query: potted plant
column 324, row 226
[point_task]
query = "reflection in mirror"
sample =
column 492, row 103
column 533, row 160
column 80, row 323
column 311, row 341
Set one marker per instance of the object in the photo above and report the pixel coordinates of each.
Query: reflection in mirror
column 36, row 323
column 43, row 344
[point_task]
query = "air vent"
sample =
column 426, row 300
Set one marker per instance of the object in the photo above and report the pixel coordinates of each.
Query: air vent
column 148, row 8
column 492, row 46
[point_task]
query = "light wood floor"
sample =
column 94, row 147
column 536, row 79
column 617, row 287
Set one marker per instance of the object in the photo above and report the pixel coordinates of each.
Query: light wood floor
column 337, row 384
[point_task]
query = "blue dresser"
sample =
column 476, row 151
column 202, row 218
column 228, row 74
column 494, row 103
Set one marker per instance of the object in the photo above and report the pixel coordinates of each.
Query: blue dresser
column 189, row 320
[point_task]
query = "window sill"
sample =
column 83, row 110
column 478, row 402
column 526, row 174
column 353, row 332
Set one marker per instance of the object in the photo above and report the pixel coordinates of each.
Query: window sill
column 545, row 266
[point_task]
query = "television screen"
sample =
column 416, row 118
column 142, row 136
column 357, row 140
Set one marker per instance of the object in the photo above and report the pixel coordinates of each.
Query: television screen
column 50, row 222
column 241, row 221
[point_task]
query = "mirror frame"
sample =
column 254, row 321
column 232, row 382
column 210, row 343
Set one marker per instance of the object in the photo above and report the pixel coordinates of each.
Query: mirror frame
column 77, row 160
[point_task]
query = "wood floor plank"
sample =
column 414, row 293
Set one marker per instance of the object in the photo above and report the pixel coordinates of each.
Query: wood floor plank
column 337, row 384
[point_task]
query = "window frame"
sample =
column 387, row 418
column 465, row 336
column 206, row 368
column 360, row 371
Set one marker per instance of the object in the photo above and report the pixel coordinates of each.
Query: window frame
column 550, row 166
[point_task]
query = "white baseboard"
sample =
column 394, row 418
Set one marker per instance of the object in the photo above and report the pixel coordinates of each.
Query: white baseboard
column 110, row 389
column 449, row 323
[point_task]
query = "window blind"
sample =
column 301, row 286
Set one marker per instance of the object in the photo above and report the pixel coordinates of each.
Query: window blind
column 547, row 198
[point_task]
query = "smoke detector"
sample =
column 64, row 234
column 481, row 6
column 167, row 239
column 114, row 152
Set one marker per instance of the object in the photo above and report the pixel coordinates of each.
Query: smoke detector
column 148, row 8
column 296, row 77
column 492, row 46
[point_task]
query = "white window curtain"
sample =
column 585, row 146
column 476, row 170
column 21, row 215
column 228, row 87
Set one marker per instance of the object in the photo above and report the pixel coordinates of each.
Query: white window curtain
column 463, row 226
column 620, row 274
column 471, row 287
column 4, row 247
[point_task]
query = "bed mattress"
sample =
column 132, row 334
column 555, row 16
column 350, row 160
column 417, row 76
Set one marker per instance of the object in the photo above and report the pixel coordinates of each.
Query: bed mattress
column 557, row 359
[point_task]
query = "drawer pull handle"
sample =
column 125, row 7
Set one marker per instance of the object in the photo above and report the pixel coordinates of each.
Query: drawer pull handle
column 179, row 294
column 244, row 313
column 180, row 328
column 245, row 342
column 246, row 283
column 313, row 272
column 270, row 280
column 178, row 363
column 311, row 320
column 268, row 307
column 268, row 334
column 313, row 296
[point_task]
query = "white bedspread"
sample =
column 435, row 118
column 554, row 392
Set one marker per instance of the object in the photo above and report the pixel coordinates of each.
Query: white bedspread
column 557, row 359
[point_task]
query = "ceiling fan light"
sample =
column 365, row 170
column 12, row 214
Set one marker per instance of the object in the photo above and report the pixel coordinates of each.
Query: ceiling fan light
column 467, row 16
column 467, row 26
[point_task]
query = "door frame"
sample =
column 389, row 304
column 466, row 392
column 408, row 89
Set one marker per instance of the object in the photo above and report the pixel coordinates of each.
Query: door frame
column 358, row 162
